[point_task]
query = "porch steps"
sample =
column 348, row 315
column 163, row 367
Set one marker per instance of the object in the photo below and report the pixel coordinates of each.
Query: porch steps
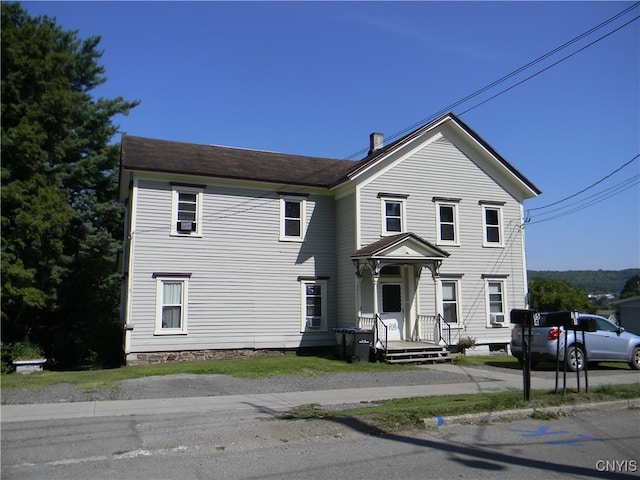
column 413, row 352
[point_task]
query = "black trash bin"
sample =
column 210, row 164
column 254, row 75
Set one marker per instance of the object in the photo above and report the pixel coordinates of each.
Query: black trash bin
column 349, row 343
column 341, row 347
column 362, row 341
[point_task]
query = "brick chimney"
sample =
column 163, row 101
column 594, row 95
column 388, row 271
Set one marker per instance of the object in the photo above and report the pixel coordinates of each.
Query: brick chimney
column 376, row 142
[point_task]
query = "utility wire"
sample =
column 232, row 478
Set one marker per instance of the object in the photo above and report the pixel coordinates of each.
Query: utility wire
column 587, row 188
column 264, row 196
column 550, row 66
column 631, row 183
column 512, row 74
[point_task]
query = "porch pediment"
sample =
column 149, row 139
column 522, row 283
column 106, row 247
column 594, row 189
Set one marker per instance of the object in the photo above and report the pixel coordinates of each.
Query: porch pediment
column 404, row 248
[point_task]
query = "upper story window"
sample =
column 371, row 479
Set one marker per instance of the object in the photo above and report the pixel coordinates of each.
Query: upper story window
column 447, row 220
column 292, row 218
column 393, row 210
column 186, row 211
column 492, row 225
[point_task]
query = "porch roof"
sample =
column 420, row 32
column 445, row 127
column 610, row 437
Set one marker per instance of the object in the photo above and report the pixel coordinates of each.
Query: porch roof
column 403, row 248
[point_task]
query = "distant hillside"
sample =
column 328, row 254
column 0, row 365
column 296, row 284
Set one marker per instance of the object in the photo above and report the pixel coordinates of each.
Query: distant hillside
column 590, row 281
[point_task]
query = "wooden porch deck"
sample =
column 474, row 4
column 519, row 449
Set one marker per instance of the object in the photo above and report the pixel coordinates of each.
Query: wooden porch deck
column 401, row 351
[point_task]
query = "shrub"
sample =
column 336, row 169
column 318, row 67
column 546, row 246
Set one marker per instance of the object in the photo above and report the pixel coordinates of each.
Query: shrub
column 27, row 351
column 465, row 343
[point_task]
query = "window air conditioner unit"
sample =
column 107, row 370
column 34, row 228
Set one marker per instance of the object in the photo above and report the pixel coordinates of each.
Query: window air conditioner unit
column 315, row 322
column 496, row 319
column 186, row 226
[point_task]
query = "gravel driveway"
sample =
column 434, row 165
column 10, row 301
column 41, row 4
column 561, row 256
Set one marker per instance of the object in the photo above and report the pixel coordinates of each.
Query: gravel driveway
column 190, row 385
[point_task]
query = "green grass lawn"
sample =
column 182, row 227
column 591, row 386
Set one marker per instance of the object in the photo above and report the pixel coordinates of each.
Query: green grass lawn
column 409, row 413
column 263, row 366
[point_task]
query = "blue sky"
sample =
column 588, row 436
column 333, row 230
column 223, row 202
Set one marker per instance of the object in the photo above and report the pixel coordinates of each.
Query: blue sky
column 316, row 78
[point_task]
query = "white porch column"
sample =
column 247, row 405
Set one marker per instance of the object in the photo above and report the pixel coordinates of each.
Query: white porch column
column 411, row 312
column 438, row 297
column 358, row 296
column 417, row 272
column 376, row 306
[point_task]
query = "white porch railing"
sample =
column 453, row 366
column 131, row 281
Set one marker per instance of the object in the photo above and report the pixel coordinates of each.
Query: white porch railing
column 375, row 323
column 428, row 328
column 366, row 322
column 435, row 329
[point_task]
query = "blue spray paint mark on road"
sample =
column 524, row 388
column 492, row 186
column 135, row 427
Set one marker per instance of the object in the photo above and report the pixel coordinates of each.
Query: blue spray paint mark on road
column 541, row 432
column 544, row 431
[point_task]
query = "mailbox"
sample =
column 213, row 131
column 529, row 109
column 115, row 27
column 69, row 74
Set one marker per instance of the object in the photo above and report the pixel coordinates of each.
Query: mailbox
column 584, row 325
column 561, row 319
column 525, row 317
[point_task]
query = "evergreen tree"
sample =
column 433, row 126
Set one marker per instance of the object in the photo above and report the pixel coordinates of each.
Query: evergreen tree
column 631, row 287
column 61, row 224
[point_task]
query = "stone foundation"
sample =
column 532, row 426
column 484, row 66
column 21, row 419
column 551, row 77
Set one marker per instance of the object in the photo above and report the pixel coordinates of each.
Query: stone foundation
column 154, row 358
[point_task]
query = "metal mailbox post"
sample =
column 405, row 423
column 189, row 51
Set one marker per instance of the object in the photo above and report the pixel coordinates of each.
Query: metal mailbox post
column 526, row 319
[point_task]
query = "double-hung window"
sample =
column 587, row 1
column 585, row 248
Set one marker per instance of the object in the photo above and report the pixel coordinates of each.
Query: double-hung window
column 393, row 209
column 450, row 301
column 314, row 305
column 171, row 303
column 492, row 224
column 292, row 218
column 186, row 211
column 447, row 220
column 496, row 302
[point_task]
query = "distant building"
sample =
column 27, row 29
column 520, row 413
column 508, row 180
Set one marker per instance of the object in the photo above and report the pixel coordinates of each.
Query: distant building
column 629, row 313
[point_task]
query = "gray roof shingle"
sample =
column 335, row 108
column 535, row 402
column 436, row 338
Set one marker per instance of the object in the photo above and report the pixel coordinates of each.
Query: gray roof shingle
column 140, row 153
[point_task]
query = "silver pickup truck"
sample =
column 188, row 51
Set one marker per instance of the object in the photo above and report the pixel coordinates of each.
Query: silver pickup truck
column 608, row 343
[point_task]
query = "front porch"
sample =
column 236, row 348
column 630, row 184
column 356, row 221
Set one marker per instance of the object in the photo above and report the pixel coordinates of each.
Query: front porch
column 433, row 341
column 389, row 275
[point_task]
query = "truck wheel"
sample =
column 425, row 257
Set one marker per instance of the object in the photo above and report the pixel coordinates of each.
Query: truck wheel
column 635, row 359
column 575, row 358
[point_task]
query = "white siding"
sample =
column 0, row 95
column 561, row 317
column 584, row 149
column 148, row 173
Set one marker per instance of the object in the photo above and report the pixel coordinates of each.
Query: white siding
column 345, row 246
column 440, row 169
column 243, row 290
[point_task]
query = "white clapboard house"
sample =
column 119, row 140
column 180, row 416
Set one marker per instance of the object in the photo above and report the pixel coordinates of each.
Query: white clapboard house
column 238, row 250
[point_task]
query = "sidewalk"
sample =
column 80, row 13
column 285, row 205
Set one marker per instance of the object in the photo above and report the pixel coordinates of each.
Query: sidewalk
column 281, row 402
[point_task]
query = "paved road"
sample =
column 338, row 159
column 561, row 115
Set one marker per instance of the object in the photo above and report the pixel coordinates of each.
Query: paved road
column 238, row 436
column 226, row 445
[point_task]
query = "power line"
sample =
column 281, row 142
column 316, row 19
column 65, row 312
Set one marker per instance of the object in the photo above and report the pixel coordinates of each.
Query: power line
column 629, row 182
column 251, row 202
column 515, row 72
column 587, row 188
column 550, row 66
column 605, row 195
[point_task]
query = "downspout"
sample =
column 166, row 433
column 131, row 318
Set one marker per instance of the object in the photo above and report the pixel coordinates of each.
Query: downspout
column 128, row 327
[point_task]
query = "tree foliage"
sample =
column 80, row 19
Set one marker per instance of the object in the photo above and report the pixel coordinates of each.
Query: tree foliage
column 590, row 281
column 61, row 223
column 552, row 295
column 631, row 287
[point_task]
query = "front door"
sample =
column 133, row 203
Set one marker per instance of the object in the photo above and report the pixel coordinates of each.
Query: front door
column 392, row 313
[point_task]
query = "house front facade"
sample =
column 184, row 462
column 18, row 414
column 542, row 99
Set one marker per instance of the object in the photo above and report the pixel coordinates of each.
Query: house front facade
column 229, row 249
